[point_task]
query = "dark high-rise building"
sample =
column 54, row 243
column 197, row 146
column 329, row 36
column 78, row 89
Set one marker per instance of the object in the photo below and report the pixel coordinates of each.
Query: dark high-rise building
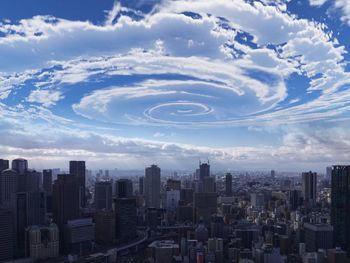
column 186, row 195
column 47, row 181
column 126, row 219
column 228, row 184
column 105, row 227
column 29, row 209
column 103, row 195
column 172, row 184
column 318, row 236
column 309, row 187
column 20, row 165
column 152, row 186
column 204, row 170
column 6, row 235
column 340, row 208
column 8, row 186
column 65, row 202
column 4, row 165
column 29, row 182
column 78, row 169
column 205, row 204
column 141, row 184
column 209, row 185
column 123, row 188
column 295, row 199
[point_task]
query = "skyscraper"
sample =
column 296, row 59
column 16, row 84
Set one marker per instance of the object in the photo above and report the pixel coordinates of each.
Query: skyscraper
column 141, row 184
column 123, row 188
column 205, row 204
column 126, row 218
column 29, row 209
column 65, row 202
column 309, row 187
column 103, row 195
column 9, row 186
column 204, row 170
column 4, row 165
column 20, row 165
column 228, row 184
column 78, row 169
column 6, row 235
column 152, row 186
column 340, row 211
column 47, row 181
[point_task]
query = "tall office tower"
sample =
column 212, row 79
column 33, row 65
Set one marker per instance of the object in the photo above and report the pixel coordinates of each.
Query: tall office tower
column 328, row 173
column 9, row 186
column 172, row 200
column 4, row 165
column 217, row 226
column 228, row 184
column 31, row 181
column 105, row 227
column 47, row 181
column 125, row 209
column 295, row 199
column 340, row 207
column 318, row 236
column 20, row 165
column 152, row 186
column 123, row 188
column 141, row 184
column 204, row 170
column 6, row 235
column 209, row 185
column 309, row 187
column 205, row 204
column 65, row 202
column 78, row 169
column 186, row 195
column 29, row 209
column 103, row 195
column 42, row 242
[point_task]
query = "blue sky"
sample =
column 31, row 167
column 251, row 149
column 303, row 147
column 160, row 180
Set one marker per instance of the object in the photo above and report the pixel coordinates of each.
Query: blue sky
column 248, row 84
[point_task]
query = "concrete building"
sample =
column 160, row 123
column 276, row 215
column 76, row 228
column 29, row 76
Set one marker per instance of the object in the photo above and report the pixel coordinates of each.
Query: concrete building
column 79, row 236
column 4, row 165
column 8, row 186
column 123, row 188
column 228, row 184
column 309, row 187
column 125, row 209
column 66, row 202
column 340, row 206
column 163, row 251
column 172, row 200
column 205, row 204
column 78, row 169
column 42, row 242
column 318, row 236
column 103, row 195
column 105, row 227
column 7, row 235
column 152, row 186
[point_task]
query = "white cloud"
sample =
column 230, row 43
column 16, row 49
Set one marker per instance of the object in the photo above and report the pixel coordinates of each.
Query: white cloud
column 317, row 2
column 45, row 97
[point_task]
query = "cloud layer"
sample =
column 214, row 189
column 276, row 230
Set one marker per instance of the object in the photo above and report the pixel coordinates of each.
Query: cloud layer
column 184, row 65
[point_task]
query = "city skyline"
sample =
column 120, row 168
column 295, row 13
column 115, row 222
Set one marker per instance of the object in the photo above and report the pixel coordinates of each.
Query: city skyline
column 124, row 84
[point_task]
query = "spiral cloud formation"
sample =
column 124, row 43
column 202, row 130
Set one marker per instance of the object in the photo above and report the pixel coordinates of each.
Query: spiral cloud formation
column 240, row 82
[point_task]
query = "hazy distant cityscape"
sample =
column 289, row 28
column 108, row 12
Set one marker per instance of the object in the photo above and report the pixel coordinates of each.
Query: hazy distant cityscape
column 200, row 216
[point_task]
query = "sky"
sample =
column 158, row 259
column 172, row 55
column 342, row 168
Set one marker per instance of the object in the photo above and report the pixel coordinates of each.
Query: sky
column 249, row 85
